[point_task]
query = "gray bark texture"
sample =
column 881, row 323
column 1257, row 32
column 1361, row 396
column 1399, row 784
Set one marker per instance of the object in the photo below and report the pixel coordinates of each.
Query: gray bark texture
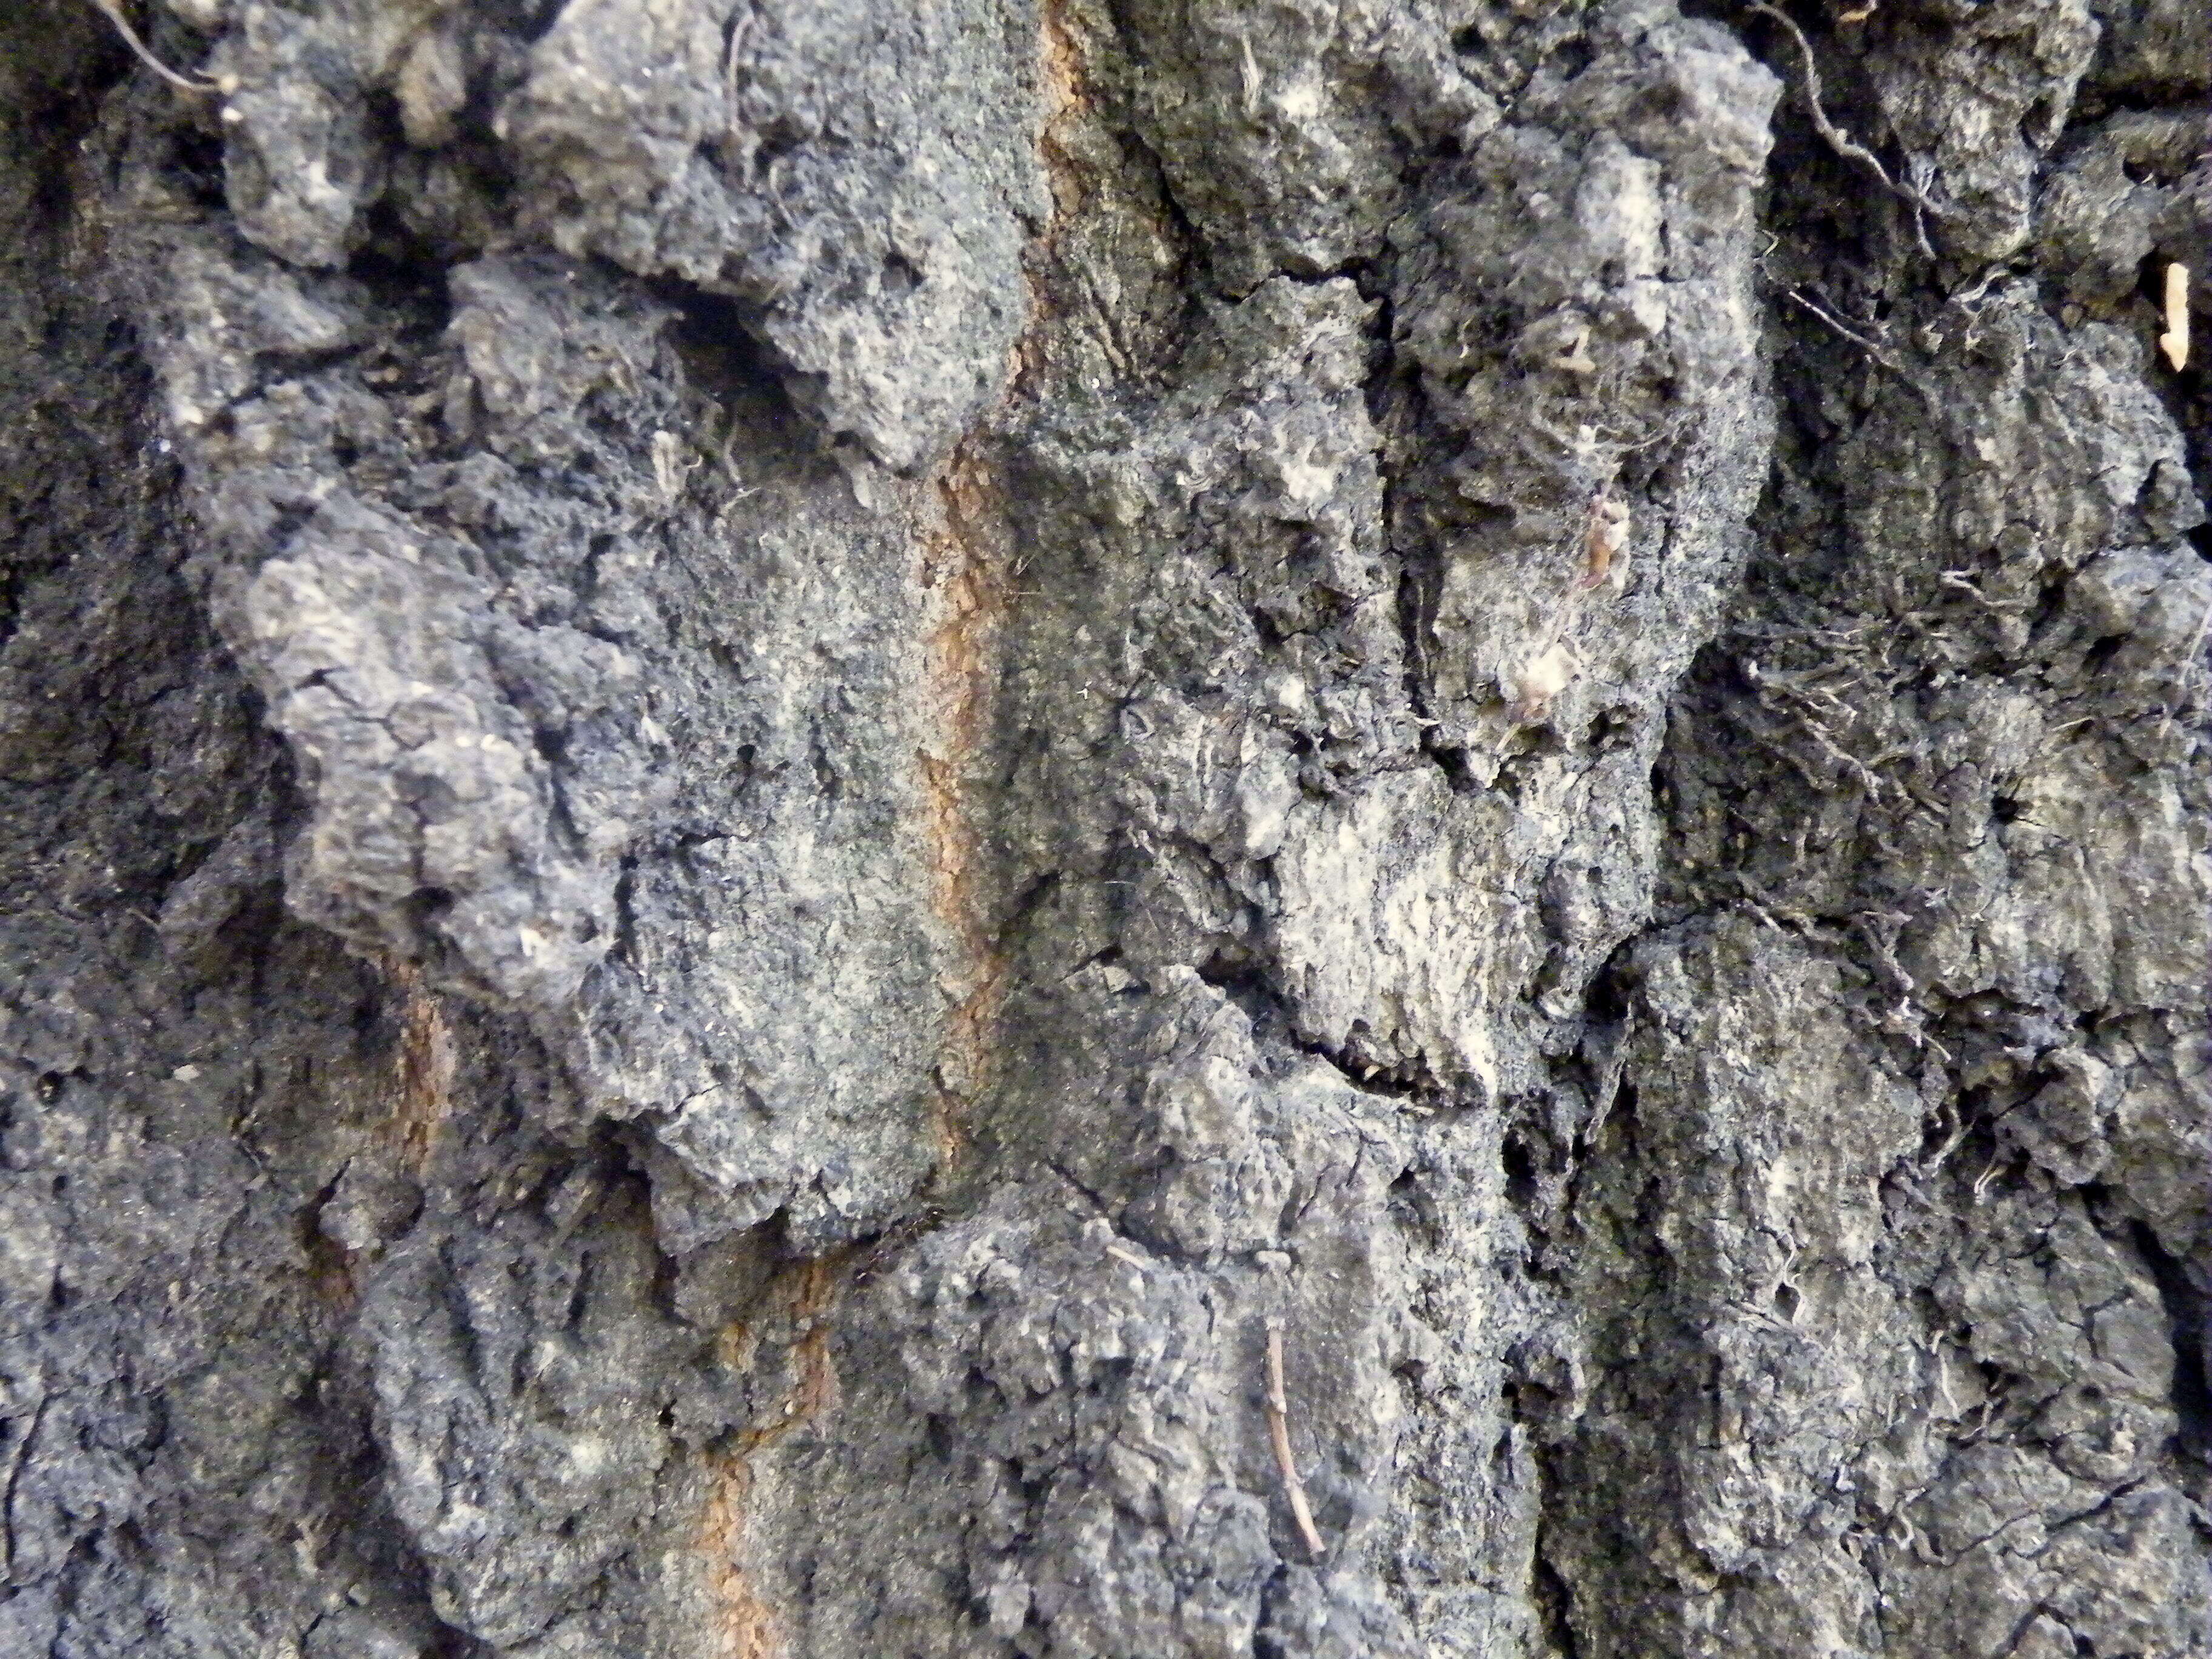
column 768, row 771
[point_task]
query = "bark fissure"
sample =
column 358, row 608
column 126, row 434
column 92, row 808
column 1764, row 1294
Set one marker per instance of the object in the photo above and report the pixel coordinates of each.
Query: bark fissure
column 808, row 809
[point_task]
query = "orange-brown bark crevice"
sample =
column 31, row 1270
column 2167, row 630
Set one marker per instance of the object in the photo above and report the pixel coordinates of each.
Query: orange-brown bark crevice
column 966, row 583
column 423, row 1070
column 747, row 1627
column 1068, row 104
column 967, row 573
column 1066, row 98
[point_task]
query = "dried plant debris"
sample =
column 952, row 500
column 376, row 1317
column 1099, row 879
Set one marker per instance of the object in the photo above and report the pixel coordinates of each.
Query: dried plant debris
column 1006, row 830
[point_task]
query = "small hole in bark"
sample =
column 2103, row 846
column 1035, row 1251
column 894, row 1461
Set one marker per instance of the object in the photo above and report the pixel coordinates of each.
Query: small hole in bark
column 392, row 259
column 2184, row 1308
column 900, row 275
column 1414, row 1209
column 1607, row 999
column 1573, row 57
column 724, row 360
column 427, row 904
column 1786, row 1302
column 199, row 167
column 1229, row 968
column 776, row 142
column 1520, row 1173
column 1458, row 772
column 2103, row 652
column 2150, row 278
column 531, row 21
column 2004, row 809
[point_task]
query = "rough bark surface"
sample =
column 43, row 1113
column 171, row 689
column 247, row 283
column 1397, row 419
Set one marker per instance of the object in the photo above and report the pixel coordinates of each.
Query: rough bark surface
column 763, row 767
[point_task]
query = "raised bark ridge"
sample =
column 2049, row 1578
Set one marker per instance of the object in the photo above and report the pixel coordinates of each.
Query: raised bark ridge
column 761, row 767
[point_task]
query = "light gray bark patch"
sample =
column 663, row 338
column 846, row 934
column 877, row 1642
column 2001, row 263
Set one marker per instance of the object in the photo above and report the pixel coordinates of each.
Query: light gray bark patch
column 2151, row 49
column 386, row 641
column 1284, row 134
column 1068, row 858
column 1092, row 1365
column 1973, row 100
column 300, row 162
column 1575, row 296
column 2122, row 188
column 471, row 609
column 863, row 180
column 523, row 1457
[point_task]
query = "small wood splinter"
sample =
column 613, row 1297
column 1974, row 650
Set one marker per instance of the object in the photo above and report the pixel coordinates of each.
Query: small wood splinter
column 2175, row 343
column 112, row 11
column 1540, row 679
column 1278, row 1432
column 1605, row 536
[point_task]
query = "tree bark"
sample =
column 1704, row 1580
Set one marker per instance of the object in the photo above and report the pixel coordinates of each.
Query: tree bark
column 1083, row 827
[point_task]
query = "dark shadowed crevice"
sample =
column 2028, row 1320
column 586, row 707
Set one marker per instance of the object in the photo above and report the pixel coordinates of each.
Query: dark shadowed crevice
column 2186, row 1310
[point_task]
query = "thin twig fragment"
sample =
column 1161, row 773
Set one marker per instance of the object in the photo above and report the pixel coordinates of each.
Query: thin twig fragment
column 112, row 11
column 1605, row 539
column 1278, row 1432
column 738, row 30
column 1870, row 347
column 1841, row 141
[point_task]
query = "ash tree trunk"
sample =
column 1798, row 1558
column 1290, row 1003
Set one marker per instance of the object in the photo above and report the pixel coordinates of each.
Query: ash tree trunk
column 1082, row 828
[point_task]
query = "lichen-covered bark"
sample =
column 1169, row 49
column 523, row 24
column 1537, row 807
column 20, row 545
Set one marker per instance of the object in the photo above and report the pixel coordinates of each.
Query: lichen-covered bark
column 767, row 769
